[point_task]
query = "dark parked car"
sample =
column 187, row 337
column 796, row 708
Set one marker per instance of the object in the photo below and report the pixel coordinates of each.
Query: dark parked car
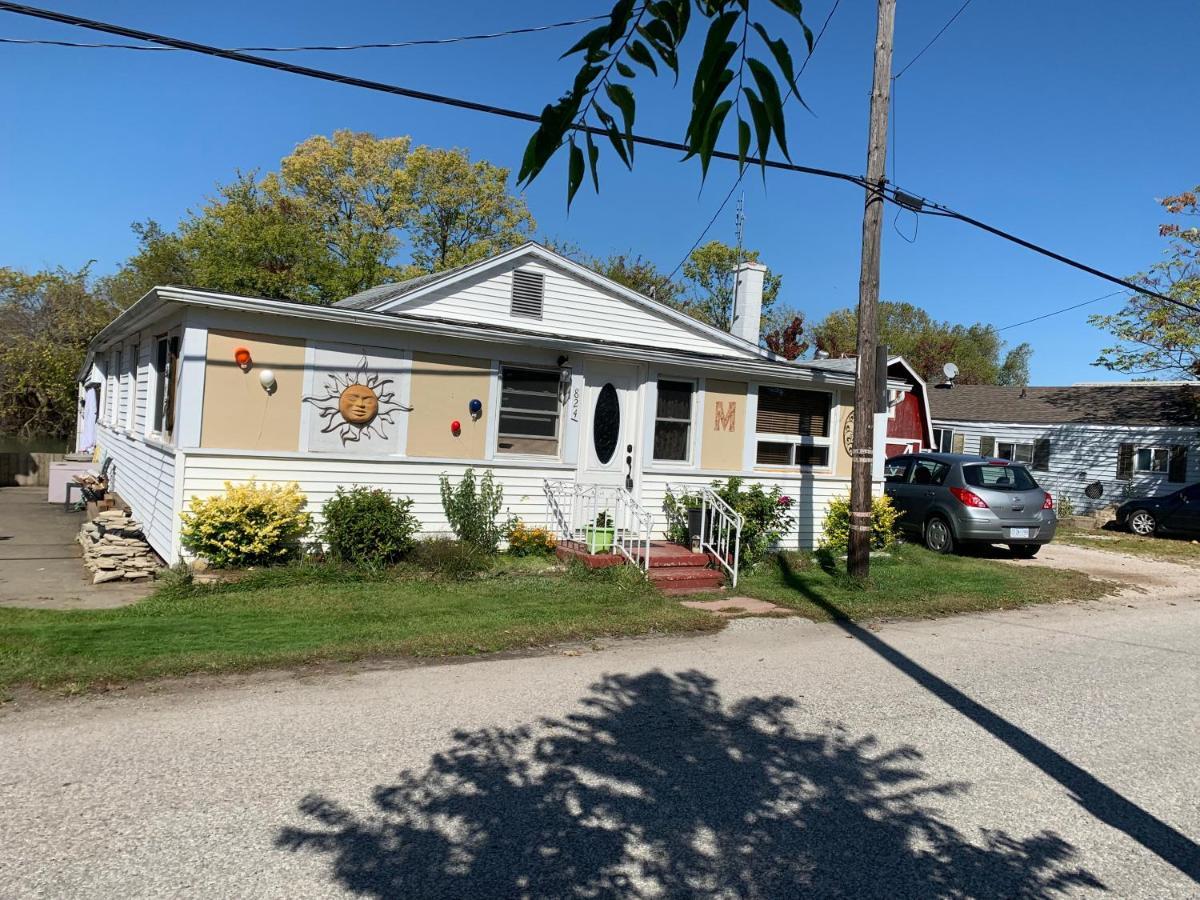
column 1179, row 511
column 945, row 499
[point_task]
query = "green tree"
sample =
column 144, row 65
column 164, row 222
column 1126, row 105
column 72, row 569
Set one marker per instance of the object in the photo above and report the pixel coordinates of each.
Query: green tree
column 728, row 77
column 1155, row 337
column 461, row 210
column 161, row 259
column 46, row 322
column 928, row 344
column 637, row 273
column 709, row 283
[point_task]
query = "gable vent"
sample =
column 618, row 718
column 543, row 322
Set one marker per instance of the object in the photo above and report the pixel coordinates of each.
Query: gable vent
column 528, row 293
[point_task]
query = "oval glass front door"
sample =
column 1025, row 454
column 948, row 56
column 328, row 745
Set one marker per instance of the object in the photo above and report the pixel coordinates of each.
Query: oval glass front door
column 606, row 423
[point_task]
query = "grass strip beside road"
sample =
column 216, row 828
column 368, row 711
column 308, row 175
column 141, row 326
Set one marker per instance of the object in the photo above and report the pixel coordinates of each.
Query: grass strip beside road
column 305, row 614
column 1173, row 549
column 913, row 583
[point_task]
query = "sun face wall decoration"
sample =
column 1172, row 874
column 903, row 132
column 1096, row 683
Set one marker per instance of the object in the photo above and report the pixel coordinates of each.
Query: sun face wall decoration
column 357, row 405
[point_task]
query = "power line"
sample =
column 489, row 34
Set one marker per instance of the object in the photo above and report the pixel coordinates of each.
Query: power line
column 742, row 174
column 425, row 42
column 1058, row 312
column 903, row 198
column 932, row 40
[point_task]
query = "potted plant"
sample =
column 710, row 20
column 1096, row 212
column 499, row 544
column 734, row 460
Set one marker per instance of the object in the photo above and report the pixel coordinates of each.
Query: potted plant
column 599, row 537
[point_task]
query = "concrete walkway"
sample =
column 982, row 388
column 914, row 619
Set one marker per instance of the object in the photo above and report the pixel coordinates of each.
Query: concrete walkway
column 40, row 559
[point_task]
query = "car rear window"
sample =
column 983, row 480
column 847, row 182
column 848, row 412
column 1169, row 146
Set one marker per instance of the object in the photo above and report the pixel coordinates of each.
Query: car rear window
column 999, row 478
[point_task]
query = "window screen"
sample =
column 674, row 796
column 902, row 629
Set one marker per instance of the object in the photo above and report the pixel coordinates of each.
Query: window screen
column 529, row 410
column 673, row 420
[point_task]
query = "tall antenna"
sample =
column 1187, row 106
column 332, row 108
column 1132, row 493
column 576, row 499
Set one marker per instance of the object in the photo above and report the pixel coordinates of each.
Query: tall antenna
column 739, row 225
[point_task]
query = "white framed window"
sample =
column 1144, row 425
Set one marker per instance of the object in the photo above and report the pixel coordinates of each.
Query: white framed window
column 165, row 364
column 943, row 440
column 792, row 428
column 529, row 411
column 1015, row 451
column 114, row 366
column 1152, row 459
column 673, row 414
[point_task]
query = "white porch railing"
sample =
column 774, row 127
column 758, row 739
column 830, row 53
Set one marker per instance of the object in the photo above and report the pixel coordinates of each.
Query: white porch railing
column 577, row 511
column 720, row 527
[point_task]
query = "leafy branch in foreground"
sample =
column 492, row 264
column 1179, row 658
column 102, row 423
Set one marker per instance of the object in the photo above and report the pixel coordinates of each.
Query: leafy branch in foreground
column 634, row 38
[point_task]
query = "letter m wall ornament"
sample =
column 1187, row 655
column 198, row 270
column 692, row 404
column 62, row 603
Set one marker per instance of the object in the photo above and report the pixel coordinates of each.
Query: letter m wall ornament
column 726, row 416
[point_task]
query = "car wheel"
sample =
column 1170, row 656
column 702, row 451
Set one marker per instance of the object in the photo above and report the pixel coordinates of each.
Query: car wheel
column 1025, row 551
column 938, row 536
column 1143, row 523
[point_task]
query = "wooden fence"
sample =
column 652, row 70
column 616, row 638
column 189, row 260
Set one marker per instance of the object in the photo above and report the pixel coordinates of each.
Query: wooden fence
column 26, row 469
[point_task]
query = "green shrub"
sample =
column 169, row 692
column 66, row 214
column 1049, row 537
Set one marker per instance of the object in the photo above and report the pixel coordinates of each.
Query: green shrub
column 369, row 527
column 766, row 514
column 525, row 541
column 448, row 558
column 249, row 525
column 1066, row 506
column 837, row 525
column 472, row 509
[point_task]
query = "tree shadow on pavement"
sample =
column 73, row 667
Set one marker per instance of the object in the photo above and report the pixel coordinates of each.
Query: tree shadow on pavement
column 654, row 787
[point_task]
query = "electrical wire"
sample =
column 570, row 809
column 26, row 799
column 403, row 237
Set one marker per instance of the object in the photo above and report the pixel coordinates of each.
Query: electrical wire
column 742, row 174
column 932, row 40
column 1059, row 312
column 925, row 206
column 426, row 42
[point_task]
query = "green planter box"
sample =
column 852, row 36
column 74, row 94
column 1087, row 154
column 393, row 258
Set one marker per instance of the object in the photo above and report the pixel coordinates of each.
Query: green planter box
column 599, row 540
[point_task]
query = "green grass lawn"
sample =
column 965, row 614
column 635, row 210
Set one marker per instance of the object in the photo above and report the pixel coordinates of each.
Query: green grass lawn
column 1176, row 549
column 307, row 613
column 912, row 583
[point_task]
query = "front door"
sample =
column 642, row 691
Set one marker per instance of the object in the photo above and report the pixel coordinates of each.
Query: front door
column 609, row 437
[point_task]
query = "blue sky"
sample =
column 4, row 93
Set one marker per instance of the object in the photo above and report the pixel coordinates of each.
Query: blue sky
column 1059, row 121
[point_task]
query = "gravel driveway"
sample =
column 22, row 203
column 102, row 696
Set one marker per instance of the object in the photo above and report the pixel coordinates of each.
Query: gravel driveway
column 1038, row 752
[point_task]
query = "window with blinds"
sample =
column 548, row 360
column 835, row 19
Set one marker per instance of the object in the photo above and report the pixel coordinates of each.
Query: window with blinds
column 529, row 411
column 793, row 412
column 528, row 293
column 794, row 427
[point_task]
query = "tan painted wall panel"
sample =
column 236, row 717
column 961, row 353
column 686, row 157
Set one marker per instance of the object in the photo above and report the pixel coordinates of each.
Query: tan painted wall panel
column 841, row 456
column 442, row 387
column 723, row 431
column 238, row 414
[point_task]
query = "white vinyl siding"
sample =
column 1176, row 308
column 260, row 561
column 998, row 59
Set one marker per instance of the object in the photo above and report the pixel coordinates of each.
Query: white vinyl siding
column 143, row 474
column 570, row 308
column 1083, row 454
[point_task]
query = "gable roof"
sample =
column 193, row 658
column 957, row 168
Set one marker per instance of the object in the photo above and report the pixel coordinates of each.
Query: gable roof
column 391, row 298
column 1137, row 403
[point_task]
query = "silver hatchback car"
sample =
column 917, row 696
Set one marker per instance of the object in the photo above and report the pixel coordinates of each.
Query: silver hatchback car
column 947, row 499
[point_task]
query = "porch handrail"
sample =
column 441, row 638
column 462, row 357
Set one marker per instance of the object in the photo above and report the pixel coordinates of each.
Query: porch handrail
column 720, row 527
column 571, row 507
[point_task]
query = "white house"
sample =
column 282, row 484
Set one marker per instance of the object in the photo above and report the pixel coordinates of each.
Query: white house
column 528, row 364
column 1096, row 444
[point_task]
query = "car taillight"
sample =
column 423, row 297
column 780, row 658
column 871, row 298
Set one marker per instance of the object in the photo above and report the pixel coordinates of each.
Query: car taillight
column 968, row 498
column 1048, row 503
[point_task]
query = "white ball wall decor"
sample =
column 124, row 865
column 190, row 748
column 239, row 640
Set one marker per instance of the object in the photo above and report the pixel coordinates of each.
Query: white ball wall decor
column 267, row 379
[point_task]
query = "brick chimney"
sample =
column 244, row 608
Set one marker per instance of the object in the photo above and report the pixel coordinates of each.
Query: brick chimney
column 747, row 301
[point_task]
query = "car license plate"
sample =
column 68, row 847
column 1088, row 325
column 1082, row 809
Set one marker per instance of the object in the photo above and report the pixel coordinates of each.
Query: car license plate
column 1018, row 532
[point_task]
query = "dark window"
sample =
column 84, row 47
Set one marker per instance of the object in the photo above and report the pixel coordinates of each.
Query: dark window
column 166, row 365
column 943, row 439
column 528, row 293
column 895, row 471
column 771, row 453
column 1041, row 455
column 1178, row 464
column 1125, row 462
column 529, row 408
column 673, row 420
column 929, row 471
column 999, row 478
column 606, row 423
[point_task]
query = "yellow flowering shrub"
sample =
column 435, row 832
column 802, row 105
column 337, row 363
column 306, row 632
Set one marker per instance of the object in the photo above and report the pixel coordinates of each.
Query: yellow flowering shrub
column 249, row 525
column 526, row 541
column 884, row 529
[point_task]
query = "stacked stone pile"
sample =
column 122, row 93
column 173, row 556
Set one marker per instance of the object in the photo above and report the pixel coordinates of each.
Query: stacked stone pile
column 115, row 548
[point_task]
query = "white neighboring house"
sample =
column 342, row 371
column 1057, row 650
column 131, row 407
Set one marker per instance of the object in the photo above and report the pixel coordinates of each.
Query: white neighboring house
column 1096, row 444
column 555, row 378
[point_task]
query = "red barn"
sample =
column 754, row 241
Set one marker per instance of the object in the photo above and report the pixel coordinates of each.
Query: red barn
column 909, row 427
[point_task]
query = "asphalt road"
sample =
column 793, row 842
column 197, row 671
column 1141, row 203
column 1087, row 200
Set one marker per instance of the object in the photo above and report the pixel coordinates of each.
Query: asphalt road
column 1030, row 753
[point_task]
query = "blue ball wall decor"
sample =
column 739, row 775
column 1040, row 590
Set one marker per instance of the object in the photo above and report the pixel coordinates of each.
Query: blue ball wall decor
column 476, row 407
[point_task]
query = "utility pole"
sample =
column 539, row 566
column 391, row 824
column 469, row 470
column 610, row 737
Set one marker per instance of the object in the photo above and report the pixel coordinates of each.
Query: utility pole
column 858, row 560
